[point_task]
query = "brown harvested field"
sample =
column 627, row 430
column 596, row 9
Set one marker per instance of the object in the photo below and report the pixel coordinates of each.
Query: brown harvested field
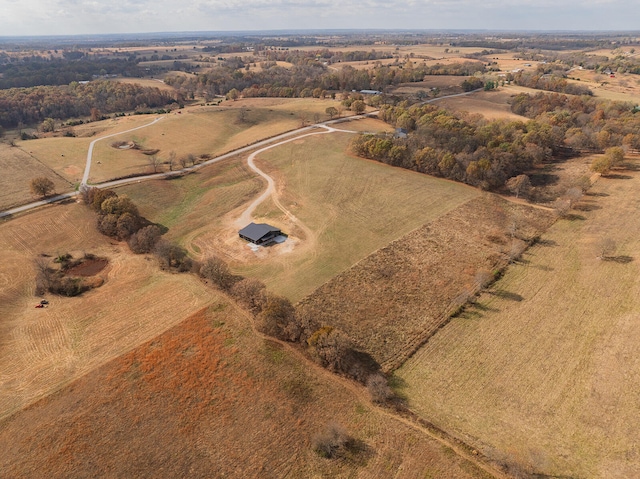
column 18, row 169
column 209, row 398
column 44, row 349
column 392, row 301
column 622, row 87
column 494, row 105
column 544, row 370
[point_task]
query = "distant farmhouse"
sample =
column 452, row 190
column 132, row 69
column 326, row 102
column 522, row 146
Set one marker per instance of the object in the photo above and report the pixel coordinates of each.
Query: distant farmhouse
column 259, row 233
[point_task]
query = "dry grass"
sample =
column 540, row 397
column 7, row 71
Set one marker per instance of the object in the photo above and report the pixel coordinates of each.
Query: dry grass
column 199, row 130
column 43, row 349
column 393, row 300
column 67, row 156
column 544, row 371
column 345, row 208
column 18, row 169
column 494, row 105
column 208, row 395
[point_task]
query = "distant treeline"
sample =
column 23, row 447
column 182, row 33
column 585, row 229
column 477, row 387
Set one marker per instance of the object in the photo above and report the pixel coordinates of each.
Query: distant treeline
column 63, row 72
column 555, row 82
column 24, row 106
column 473, row 150
column 306, row 75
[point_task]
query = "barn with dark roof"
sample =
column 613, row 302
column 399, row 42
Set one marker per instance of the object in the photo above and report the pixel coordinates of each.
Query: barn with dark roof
column 259, row 233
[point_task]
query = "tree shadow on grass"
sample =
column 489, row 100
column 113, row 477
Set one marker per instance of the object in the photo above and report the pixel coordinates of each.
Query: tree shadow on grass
column 574, row 217
column 586, row 207
column 507, row 295
column 622, row 259
column 616, row 176
column 546, row 242
column 600, row 194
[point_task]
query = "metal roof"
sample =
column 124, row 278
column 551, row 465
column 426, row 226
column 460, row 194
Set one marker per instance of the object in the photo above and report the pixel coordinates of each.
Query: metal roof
column 255, row 231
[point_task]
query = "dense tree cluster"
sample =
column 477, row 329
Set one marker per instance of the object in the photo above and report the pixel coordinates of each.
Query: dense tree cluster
column 33, row 105
column 584, row 123
column 555, row 82
column 63, row 72
column 308, row 78
column 484, row 153
column 470, row 149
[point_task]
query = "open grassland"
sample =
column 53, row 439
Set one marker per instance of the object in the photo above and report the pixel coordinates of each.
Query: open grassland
column 67, row 156
column 18, row 168
column 395, row 299
column 209, row 398
column 493, row 105
column 149, row 82
column 344, row 207
column 203, row 130
column 43, row 349
column 543, row 372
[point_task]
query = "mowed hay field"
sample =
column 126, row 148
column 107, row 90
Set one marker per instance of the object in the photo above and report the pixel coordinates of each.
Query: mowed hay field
column 18, row 169
column 42, row 349
column 209, row 398
column 204, row 130
column 493, row 105
column 395, row 299
column 67, row 156
column 345, row 208
column 544, row 371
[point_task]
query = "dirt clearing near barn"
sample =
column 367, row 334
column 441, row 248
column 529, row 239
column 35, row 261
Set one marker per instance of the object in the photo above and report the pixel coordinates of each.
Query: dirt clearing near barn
column 543, row 371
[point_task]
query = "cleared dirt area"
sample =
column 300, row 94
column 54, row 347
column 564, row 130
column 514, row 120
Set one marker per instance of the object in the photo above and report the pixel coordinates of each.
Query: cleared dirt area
column 393, row 300
column 543, row 372
column 18, row 168
column 44, row 349
column 209, row 395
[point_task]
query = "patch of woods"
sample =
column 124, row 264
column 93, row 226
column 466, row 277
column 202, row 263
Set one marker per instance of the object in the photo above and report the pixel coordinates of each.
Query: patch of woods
column 65, row 275
column 23, row 106
column 490, row 153
column 308, row 77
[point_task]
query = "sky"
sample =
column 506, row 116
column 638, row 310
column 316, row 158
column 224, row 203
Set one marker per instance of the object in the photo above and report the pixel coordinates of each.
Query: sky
column 69, row 17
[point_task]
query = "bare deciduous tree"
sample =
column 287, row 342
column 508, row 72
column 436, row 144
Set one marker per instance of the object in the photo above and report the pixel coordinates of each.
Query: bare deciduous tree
column 330, row 442
column 42, row 186
column 519, row 185
column 379, row 389
column 217, row 271
column 606, row 248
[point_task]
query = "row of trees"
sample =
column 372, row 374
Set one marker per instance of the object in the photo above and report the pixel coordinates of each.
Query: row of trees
column 24, row 106
column 63, row 71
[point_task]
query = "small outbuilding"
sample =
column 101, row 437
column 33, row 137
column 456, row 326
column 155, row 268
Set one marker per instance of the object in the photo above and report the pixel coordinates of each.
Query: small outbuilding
column 259, row 233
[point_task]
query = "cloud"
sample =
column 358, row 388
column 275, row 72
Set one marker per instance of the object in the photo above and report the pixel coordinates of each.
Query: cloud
column 32, row 17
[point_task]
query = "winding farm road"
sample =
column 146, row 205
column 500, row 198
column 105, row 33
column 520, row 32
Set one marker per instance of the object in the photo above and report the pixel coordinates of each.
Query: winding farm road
column 286, row 137
column 87, row 167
